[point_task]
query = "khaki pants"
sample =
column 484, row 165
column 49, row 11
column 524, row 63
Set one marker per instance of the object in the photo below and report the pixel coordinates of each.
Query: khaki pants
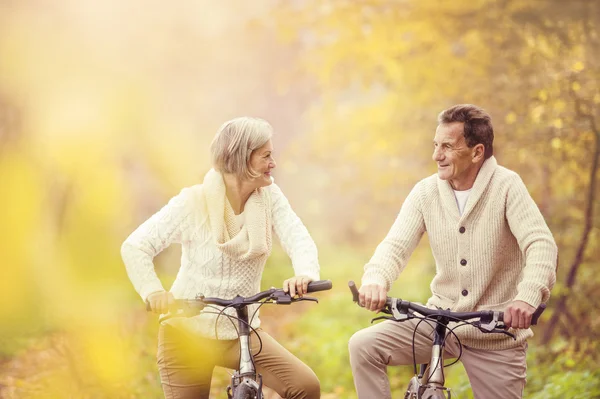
column 186, row 364
column 493, row 374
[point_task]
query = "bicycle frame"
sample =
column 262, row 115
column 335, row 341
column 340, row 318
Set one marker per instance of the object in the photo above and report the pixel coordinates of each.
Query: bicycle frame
column 429, row 383
column 432, row 378
column 245, row 382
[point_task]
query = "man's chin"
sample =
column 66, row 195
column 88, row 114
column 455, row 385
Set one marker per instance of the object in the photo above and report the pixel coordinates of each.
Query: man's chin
column 442, row 176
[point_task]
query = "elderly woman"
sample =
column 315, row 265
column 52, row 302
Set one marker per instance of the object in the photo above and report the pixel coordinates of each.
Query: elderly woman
column 225, row 228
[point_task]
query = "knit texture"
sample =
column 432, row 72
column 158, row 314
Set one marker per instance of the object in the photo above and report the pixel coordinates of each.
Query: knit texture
column 218, row 259
column 507, row 251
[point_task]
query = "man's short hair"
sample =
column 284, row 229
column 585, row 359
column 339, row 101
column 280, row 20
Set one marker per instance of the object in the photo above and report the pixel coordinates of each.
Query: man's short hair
column 234, row 142
column 477, row 125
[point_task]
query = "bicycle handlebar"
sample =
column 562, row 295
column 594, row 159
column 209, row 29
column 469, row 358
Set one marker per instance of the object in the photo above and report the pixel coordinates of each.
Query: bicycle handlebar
column 405, row 306
column 275, row 294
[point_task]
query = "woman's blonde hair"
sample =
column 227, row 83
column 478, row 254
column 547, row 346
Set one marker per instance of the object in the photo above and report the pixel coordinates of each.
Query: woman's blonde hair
column 233, row 145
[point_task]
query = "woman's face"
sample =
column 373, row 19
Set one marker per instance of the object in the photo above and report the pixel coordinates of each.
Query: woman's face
column 261, row 161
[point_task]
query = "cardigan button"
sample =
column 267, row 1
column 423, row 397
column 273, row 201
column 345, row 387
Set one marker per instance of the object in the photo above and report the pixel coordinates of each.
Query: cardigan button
column 462, row 229
column 463, row 262
column 465, row 292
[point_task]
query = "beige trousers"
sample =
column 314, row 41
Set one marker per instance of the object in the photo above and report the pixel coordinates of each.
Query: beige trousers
column 186, row 364
column 493, row 374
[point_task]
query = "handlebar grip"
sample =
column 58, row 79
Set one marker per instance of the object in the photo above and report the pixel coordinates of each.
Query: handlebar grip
column 534, row 318
column 354, row 290
column 320, row 285
column 538, row 312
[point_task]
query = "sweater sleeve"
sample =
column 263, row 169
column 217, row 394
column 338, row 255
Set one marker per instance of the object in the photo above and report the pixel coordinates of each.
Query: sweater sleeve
column 393, row 253
column 535, row 241
column 169, row 225
column 294, row 236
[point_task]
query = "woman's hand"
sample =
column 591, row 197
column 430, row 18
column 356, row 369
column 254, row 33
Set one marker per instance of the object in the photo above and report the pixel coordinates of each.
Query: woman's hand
column 296, row 285
column 160, row 301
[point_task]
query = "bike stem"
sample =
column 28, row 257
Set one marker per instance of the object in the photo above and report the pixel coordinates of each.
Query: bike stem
column 246, row 365
column 435, row 376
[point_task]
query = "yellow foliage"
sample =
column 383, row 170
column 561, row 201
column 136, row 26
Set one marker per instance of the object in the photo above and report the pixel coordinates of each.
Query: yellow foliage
column 510, row 118
column 557, row 123
column 578, row 66
column 556, row 143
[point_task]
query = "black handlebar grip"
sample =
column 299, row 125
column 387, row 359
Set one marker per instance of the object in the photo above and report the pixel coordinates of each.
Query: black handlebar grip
column 538, row 312
column 534, row 317
column 354, row 290
column 320, row 285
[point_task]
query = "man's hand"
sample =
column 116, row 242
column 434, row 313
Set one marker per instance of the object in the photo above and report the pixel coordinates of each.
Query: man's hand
column 296, row 285
column 518, row 315
column 160, row 301
column 372, row 297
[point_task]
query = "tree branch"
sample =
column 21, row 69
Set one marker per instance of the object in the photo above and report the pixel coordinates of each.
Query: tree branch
column 589, row 215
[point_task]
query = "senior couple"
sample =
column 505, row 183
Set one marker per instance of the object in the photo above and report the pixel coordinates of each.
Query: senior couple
column 491, row 245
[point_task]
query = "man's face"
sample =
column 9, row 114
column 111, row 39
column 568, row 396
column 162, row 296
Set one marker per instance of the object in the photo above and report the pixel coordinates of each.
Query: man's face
column 454, row 158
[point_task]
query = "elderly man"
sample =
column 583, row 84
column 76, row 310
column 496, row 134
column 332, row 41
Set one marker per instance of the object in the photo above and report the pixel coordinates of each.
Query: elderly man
column 492, row 249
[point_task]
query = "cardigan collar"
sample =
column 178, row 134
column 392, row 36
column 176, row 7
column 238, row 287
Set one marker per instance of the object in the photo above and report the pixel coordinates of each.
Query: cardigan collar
column 481, row 183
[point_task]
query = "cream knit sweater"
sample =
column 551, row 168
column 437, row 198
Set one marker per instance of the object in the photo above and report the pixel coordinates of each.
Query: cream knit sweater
column 498, row 251
column 217, row 259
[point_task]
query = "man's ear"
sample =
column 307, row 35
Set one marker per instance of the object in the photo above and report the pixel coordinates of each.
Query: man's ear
column 478, row 152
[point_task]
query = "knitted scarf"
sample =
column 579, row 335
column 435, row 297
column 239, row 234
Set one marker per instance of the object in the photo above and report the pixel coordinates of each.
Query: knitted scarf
column 254, row 239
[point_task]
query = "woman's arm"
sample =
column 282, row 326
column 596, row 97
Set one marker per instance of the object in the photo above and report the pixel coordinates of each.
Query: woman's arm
column 294, row 237
column 167, row 226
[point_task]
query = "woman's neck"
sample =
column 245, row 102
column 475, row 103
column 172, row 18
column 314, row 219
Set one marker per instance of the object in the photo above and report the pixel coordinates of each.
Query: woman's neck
column 237, row 192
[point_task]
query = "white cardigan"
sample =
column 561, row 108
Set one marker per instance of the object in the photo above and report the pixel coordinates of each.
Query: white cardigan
column 206, row 267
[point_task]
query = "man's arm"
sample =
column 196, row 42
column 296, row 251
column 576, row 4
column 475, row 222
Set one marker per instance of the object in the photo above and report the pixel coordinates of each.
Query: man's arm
column 539, row 250
column 393, row 253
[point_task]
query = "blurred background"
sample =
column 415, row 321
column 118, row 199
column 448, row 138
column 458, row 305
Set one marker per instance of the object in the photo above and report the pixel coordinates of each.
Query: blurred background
column 107, row 110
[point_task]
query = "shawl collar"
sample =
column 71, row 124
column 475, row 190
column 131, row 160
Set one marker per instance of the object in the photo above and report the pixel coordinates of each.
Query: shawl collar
column 481, row 182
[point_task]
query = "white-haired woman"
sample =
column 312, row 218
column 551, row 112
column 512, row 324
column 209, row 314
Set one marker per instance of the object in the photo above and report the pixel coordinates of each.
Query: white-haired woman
column 224, row 226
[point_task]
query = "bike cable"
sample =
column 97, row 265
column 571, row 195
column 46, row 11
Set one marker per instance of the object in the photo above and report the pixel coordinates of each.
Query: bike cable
column 427, row 319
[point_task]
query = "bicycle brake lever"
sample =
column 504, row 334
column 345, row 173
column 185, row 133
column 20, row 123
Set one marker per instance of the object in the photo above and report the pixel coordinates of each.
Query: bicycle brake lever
column 499, row 331
column 507, row 333
column 398, row 315
column 492, row 325
column 382, row 318
column 305, row 298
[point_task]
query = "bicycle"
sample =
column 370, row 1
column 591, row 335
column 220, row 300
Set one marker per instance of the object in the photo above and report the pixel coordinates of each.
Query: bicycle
column 246, row 383
column 428, row 383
